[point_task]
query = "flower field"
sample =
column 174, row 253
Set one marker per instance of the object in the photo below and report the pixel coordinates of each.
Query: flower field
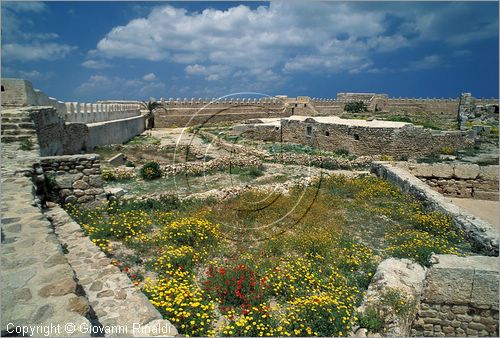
column 264, row 264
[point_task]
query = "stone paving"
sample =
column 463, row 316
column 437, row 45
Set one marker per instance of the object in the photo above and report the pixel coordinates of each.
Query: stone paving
column 38, row 285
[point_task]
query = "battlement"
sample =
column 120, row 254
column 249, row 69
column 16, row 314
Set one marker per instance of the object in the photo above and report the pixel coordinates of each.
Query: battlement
column 20, row 93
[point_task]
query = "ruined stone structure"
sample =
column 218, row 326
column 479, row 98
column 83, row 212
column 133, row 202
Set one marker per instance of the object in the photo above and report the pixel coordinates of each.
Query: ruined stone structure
column 460, row 298
column 458, row 180
column 456, row 296
column 184, row 112
column 74, row 178
column 482, row 234
column 358, row 137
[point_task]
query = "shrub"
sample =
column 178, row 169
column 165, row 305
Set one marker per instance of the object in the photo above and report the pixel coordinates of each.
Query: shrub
column 386, row 158
column 117, row 175
column 356, row 107
column 150, row 171
column 342, row 152
column 447, row 150
column 26, row 144
column 370, row 320
column 130, row 164
column 254, row 171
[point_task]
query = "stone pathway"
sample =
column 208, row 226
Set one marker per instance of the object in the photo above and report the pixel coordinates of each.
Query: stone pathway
column 487, row 210
column 38, row 285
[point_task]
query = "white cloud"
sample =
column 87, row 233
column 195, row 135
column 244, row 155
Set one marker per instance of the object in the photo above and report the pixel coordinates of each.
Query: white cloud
column 96, row 64
column 286, row 37
column 26, row 74
column 35, row 51
column 22, row 41
column 120, row 88
column 149, row 77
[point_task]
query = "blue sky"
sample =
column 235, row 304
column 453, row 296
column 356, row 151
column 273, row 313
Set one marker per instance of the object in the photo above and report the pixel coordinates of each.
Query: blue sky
column 85, row 51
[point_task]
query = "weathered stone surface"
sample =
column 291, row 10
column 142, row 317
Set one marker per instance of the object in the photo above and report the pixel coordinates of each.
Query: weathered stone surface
column 442, row 170
column 79, row 305
column 489, row 172
column 59, row 288
column 466, row 171
column 96, row 181
column 80, row 185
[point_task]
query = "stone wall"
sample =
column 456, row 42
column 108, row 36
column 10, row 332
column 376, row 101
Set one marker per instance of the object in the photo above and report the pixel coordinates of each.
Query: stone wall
column 113, row 132
column 460, row 298
column 56, row 137
column 181, row 116
column 19, row 93
column 483, row 235
column 74, row 178
column 370, row 137
column 458, row 180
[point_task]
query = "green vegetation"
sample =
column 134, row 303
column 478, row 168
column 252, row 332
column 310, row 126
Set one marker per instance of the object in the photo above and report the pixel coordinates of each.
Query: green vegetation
column 26, row 144
column 370, row 320
column 143, row 139
column 252, row 172
column 150, row 171
column 268, row 264
column 355, row 107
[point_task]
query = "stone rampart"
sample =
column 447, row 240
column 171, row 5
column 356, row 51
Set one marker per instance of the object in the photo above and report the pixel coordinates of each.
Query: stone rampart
column 458, row 180
column 482, row 234
column 460, row 298
column 74, row 178
column 59, row 138
column 19, row 93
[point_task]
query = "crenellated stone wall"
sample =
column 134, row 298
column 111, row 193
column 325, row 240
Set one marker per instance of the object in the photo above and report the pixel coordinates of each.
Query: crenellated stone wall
column 74, row 178
column 20, row 93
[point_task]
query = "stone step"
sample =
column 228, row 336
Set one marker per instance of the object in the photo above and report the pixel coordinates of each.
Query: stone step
column 19, row 125
column 16, row 138
column 14, row 114
column 15, row 119
column 18, row 131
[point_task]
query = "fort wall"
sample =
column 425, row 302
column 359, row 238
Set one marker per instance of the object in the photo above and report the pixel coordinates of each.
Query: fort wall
column 20, row 93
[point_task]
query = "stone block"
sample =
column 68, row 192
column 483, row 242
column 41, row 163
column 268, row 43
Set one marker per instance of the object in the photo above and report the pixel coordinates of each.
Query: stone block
column 96, row 181
column 449, row 281
column 486, row 195
column 421, row 170
column 466, row 171
column 489, row 172
column 117, row 160
column 80, row 185
column 485, row 288
column 442, row 170
column 59, row 288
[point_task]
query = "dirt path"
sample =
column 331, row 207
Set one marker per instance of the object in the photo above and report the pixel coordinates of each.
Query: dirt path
column 487, row 210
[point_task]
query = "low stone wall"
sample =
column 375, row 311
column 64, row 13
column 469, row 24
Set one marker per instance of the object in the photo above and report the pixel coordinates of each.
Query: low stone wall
column 111, row 294
column 74, row 178
column 113, row 132
column 460, row 298
column 458, row 180
column 481, row 233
